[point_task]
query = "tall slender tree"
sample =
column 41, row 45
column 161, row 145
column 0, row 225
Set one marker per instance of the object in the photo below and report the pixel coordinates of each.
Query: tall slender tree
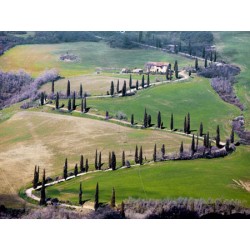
column 148, row 80
column 136, row 155
column 74, row 101
column 137, row 85
column 211, row 56
column 87, row 165
column 205, row 140
column 193, row 145
column 118, row 87
column 81, row 164
column 80, row 194
column 215, row 56
column 132, row 119
column 80, row 92
column 57, row 100
column 196, row 63
column 145, row 120
column 205, row 62
column 175, row 64
column 142, row 82
column 185, row 125
column 149, row 121
column 124, row 89
column 100, row 161
column 159, row 120
column 130, row 81
column 123, row 210
column 96, row 205
column 42, row 99
column 123, row 158
column 197, row 142
column 113, row 161
column 96, row 166
column 154, row 154
column 181, row 148
column 43, row 194
column 76, row 170
column 112, row 203
column 232, row 136
column 217, row 136
column 69, row 104
column 203, row 52
column 112, row 89
column 208, row 140
column 82, row 110
column 201, row 129
column 35, row 178
column 140, row 156
column 176, row 71
column 53, row 87
column 172, row 122
column 163, row 151
column 85, row 104
column 65, row 169
column 188, row 124
column 68, row 89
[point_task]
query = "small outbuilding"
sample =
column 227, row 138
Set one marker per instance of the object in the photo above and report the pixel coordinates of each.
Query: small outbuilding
column 156, row 67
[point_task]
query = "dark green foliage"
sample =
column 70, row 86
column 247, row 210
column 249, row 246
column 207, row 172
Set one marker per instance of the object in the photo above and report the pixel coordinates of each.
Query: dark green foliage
column 196, row 64
column 36, row 177
column 112, row 89
column 68, row 89
column 163, row 151
column 130, row 81
column 96, row 205
column 140, row 156
column 69, row 104
column 211, row 56
column 80, row 92
column 181, row 148
column 74, row 101
column 124, row 89
column 149, row 120
column 117, row 87
column 175, row 65
column 87, row 165
column 185, row 125
column 96, row 166
column 132, row 119
column 57, row 100
column 113, row 161
column 145, row 120
column 80, row 194
column 197, row 142
column 53, row 87
column 154, row 154
column 82, row 109
column 217, row 136
column 107, row 115
column 137, row 85
column 176, row 71
column 123, row 158
column 65, row 169
column 172, row 122
column 232, row 136
column 148, row 80
column 142, row 81
column 43, row 194
column 136, row 155
column 85, row 105
column 100, row 161
column 122, row 210
column 175, row 49
column 159, row 120
column 189, row 73
column 205, row 63
column 205, row 141
column 188, row 124
column 112, row 203
column 76, row 170
column 42, row 99
column 81, row 164
column 201, row 129
column 215, row 56
column 227, row 145
column 193, row 145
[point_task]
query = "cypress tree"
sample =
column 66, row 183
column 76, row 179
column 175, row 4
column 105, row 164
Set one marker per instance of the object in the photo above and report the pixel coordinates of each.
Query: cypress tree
column 43, row 195
column 167, row 74
column 142, row 81
column 81, row 164
column 124, row 89
column 205, row 63
column 196, row 63
column 136, row 155
column 112, row 203
column 211, row 56
column 74, row 101
column 107, row 115
column 227, row 145
column 132, row 119
column 189, row 73
column 130, row 81
column 172, row 122
column 203, row 52
column 205, row 140
column 68, row 89
column 117, row 87
column 112, row 89
column 100, row 161
column 42, row 99
column 76, row 170
column 35, row 178
column 215, row 56
column 232, row 136
column 145, row 120
column 140, row 156
column 188, row 124
column 154, row 154
column 175, row 64
column 197, row 142
column 96, row 197
column 148, row 80
column 80, row 93
column 82, row 106
column 113, row 161
column 163, row 151
column 80, row 194
column 159, row 120
column 87, row 165
column 170, row 75
column 149, row 120
column 201, row 129
column 137, row 85
column 208, row 139
column 185, row 125
column 176, row 71
column 193, row 145
column 96, row 166
column 69, row 104
column 110, row 162
column 175, row 49
column 53, row 87
column 65, row 169
column 218, row 136
column 181, row 148
column 122, row 210
column 85, row 105
column 57, row 100
column 123, row 158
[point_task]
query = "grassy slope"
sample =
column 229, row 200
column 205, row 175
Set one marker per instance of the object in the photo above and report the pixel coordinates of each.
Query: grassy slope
column 198, row 179
column 196, row 97
column 38, row 138
column 234, row 47
column 37, row 58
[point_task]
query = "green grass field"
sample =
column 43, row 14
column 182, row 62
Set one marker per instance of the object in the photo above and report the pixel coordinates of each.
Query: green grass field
column 205, row 179
column 196, row 97
column 37, row 58
column 234, row 47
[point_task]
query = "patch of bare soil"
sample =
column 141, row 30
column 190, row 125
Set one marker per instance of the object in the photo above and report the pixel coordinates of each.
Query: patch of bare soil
column 243, row 184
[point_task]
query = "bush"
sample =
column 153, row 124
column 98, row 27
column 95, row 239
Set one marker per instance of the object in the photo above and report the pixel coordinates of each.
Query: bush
column 121, row 116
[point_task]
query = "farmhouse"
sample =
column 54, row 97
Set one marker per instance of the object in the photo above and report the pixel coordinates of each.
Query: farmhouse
column 156, row 67
column 138, row 71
